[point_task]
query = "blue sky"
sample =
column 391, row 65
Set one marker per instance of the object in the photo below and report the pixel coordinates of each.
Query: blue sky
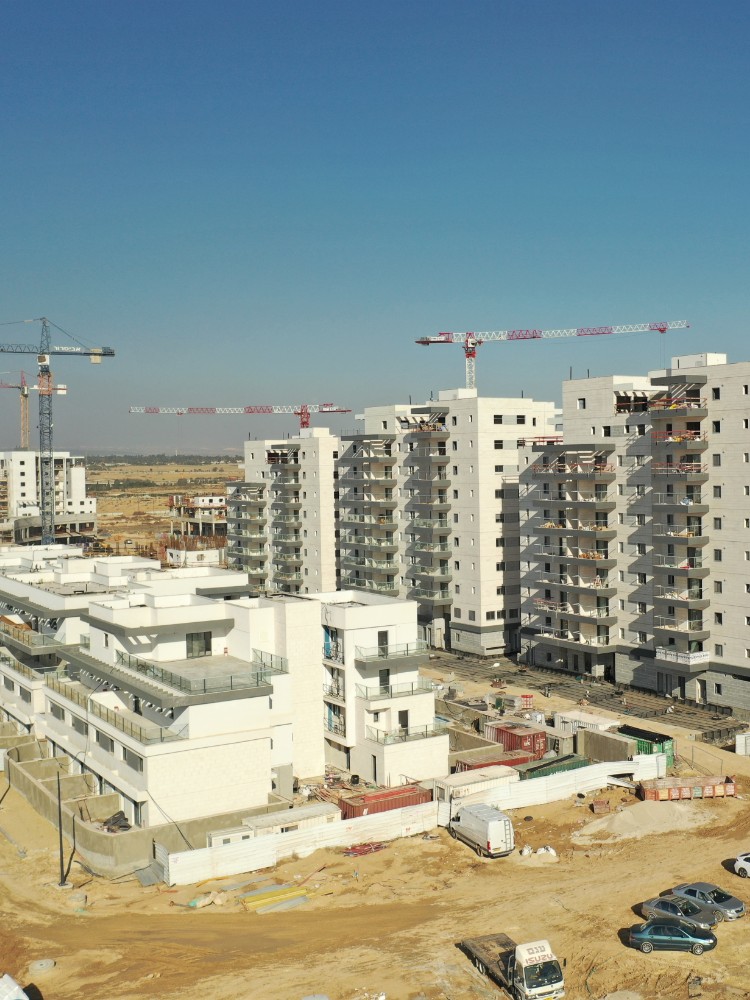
column 268, row 203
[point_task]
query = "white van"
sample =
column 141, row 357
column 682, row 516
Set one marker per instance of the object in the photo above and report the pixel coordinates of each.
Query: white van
column 486, row 829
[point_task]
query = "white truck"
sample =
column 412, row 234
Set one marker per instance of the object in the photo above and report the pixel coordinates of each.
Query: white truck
column 523, row 971
column 486, row 829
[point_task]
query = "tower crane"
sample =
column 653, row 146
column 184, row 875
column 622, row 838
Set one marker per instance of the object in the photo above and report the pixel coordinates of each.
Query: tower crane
column 46, row 388
column 23, row 385
column 471, row 341
column 300, row 410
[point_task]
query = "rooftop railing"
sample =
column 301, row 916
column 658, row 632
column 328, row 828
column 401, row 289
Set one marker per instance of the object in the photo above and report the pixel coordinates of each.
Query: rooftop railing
column 404, row 735
column 391, row 651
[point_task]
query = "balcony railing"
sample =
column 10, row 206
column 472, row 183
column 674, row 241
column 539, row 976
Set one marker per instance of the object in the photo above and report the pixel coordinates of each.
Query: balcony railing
column 383, row 691
column 566, row 608
column 669, row 593
column 678, row 501
column 335, row 726
column 267, row 663
column 28, row 637
column 570, row 635
column 334, row 691
column 334, row 651
column 688, row 659
column 676, row 403
column 678, row 468
column 672, row 562
column 678, row 437
column 679, row 626
column 677, row 531
column 404, row 735
column 391, row 651
column 146, row 735
column 21, row 668
column 357, row 582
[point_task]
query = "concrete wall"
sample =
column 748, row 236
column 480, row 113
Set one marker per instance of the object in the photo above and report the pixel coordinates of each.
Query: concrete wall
column 604, row 746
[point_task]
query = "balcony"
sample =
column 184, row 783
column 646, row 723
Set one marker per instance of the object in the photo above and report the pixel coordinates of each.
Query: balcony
column 333, row 651
column 675, row 564
column 703, row 657
column 434, row 572
column 692, row 596
column 386, row 544
column 356, row 582
column 690, row 472
column 146, row 734
column 695, row 440
column 391, row 651
column 570, row 637
column 566, row 608
column 429, row 547
column 404, row 735
column 601, row 501
column 36, row 642
column 382, row 520
column 287, row 575
column 434, row 596
column 334, row 692
column 679, row 533
column 287, row 538
column 669, row 407
column 602, row 584
column 336, row 727
column 594, row 555
column 438, row 455
column 385, row 691
column 696, row 628
column 693, row 503
column 362, row 476
column 435, row 523
column 574, row 470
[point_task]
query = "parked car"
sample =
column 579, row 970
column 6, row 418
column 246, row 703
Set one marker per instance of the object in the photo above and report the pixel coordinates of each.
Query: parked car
column 670, row 934
column 681, row 908
column 742, row 865
column 722, row 904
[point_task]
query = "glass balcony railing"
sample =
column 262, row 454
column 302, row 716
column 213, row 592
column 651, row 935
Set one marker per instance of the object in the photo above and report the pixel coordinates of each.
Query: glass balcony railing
column 404, row 735
column 391, row 651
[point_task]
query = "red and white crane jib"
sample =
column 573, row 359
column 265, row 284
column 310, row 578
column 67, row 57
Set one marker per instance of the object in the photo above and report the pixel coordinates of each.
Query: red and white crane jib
column 301, row 410
column 471, row 340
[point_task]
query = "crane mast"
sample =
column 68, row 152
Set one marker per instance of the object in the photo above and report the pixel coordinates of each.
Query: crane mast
column 45, row 385
column 471, row 341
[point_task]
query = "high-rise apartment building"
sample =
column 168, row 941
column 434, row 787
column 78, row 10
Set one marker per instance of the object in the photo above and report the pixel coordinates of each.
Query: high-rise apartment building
column 636, row 532
column 20, row 485
column 428, row 510
column 281, row 521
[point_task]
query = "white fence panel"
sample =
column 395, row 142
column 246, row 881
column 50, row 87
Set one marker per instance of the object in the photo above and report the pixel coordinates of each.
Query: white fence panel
column 188, row 867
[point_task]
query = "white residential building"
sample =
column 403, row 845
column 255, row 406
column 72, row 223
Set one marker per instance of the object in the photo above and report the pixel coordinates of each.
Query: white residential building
column 379, row 714
column 20, row 478
column 429, row 511
column 637, row 532
column 292, row 547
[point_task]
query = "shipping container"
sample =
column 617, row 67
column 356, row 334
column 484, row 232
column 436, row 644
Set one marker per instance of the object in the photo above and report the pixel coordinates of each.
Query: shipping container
column 650, row 742
column 384, row 800
column 700, row 787
column 279, row 821
column 575, row 719
column 517, row 736
column 742, row 744
column 463, row 784
column 554, row 765
column 470, row 760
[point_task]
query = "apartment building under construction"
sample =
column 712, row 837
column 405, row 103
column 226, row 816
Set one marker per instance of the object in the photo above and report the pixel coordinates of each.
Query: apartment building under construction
column 636, row 532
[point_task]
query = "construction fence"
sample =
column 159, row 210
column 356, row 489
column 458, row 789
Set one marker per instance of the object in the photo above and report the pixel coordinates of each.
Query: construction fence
column 187, row 867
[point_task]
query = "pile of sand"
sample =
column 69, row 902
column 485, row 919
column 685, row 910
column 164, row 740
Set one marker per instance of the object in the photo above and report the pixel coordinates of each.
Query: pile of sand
column 643, row 819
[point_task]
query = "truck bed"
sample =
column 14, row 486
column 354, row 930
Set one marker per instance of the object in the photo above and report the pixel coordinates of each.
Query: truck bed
column 489, row 953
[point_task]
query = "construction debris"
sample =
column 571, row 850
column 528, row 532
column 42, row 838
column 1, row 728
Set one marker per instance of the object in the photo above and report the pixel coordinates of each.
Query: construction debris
column 358, row 850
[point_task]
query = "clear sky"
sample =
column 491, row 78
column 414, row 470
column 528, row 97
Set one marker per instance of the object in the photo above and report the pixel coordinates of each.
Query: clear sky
column 268, row 202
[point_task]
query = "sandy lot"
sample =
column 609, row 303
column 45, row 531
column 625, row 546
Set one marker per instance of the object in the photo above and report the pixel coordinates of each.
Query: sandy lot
column 138, row 514
column 387, row 923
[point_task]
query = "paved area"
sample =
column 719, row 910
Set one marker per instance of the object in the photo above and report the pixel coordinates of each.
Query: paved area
column 600, row 694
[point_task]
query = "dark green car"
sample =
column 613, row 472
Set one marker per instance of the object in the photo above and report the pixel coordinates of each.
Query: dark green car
column 671, row 934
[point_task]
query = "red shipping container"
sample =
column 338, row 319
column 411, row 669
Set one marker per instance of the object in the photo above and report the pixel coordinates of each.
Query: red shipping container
column 384, row 801
column 507, row 758
column 518, row 736
column 527, row 701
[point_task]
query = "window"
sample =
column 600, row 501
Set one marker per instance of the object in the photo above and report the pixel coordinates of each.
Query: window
column 717, row 555
column 641, row 607
column 717, row 688
column 9, row 684
column 79, row 725
column 717, row 524
column 499, row 468
column 642, row 638
column 456, row 612
column 498, row 494
column 472, row 616
column 716, row 393
column 581, row 403
column 717, row 492
column 500, row 567
column 640, row 577
column 198, row 644
column 132, row 759
column 457, row 565
column 490, row 616
column 498, row 418
column 746, row 491
column 718, row 587
column 718, row 649
column 718, row 618
column 606, row 432
column 745, row 390
column 499, row 444
column 57, row 712
column 745, row 424
column 455, row 518
column 105, row 742
column 499, row 542
column 455, row 470
column 454, row 421
column 716, row 426
column 521, row 418
column 716, row 460
column 455, row 494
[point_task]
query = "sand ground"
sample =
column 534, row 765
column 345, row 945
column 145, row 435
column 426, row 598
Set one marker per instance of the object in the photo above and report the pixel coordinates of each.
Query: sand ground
column 387, row 923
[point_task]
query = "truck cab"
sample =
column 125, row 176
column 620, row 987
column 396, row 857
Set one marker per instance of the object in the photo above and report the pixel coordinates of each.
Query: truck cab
column 534, row 972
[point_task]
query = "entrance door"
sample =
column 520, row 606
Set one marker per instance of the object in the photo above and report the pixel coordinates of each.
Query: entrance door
column 403, row 719
column 384, row 680
column 700, row 694
column 383, row 643
column 681, row 685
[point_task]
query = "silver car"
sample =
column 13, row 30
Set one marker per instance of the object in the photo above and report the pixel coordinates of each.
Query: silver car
column 723, row 905
column 681, row 908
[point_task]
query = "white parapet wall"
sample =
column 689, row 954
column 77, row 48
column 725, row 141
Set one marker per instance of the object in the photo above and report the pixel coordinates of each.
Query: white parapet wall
column 188, row 867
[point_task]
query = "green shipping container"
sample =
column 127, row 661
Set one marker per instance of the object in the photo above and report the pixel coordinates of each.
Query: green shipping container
column 554, row 765
column 649, row 743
